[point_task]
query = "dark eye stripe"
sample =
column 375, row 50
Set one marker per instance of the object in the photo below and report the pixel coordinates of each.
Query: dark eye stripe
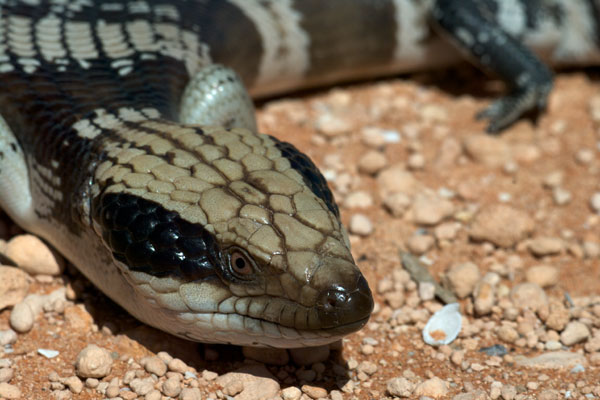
column 154, row 240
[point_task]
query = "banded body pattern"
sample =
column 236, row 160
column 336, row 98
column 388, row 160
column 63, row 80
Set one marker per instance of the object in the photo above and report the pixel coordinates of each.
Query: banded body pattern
column 128, row 142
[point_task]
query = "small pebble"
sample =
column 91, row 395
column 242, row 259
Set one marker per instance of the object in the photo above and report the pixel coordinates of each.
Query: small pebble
column 496, row 350
column 153, row 395
column 400, row 387
column 142, row 386
column 396, row 179
column 591, row 250
column 8, row 391
column 93, row 362
column 22, row 317
column 92, row 383
column 416, row 161
column 584, row 156
column 553, row 345
column 171, row 387
column 190, row 394
column 488, row 150
column 432, row 113
column 430, row 209
column 336, row 395
column 291, row 393
column 372, row 162
column 529, row 295
column 397, row 203
column 74, row 384
column 330, row 125
column 490, row 225
column 154, row 365
column 558, row 315
column 361, row 225
column 373, row 137
column 434, row 387
column 544, row 246
column 176, row 365
column 419, row 244
column 6, row 374
column 48, row 353
column 7, row 336
column 574, row 332
column 561, row 196
column 426, row 291
column 358, row 200
column 484, row 297
column 113, row 389
column 258, row 382
column 554, row 179
column 542, row 275
column 462, row 278
column 209, row 375
column 508, row 334
column 367, row 349
column 314, row 392
column 508, row 392
column 34, row 256
column 447, row 230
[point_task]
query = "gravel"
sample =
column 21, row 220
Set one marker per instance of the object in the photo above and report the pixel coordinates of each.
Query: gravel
column 524, row 270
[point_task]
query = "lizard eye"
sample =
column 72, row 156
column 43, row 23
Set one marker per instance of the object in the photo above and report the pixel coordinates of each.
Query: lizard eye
column 240, row 264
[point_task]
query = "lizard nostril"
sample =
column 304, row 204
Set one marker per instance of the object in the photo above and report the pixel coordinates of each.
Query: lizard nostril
column 345, row 305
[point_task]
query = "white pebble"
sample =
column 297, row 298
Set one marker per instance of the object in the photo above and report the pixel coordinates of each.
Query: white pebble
column 561, row 196
column 358, row 199
column 443, row 326
column 48, row 353
column 426, row 291
column 416, row 161
column 372, row 137
column 330, row 125
column 584, row 156
column 361, row 225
